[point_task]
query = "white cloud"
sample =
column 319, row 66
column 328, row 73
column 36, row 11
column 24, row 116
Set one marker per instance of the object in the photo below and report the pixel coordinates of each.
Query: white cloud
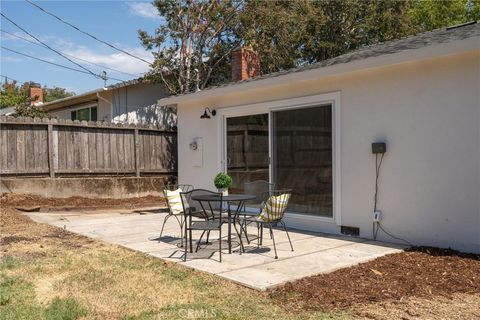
column 143, row 9
column 118, row 60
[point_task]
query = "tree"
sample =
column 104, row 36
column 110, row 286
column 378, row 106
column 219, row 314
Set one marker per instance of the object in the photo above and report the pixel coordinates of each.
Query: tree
column 55, row 93
column 12, row 95
column 429, row 15
column 194, row 40
column 292, row 33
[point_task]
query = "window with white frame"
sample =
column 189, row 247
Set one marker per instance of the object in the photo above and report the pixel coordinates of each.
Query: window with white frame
column 84, row 114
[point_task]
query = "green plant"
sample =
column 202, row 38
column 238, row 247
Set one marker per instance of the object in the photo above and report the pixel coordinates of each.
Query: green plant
column 65, row 309
column 222, row 180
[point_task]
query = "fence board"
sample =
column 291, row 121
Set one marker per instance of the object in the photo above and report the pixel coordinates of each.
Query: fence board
column 50, row 147
column 3, row 146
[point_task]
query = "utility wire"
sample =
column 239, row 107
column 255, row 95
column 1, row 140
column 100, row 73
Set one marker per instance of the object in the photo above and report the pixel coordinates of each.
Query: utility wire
column 69, row 55
column 20, row 82
column 86, row 33
column 49, row 62
column 46, row 45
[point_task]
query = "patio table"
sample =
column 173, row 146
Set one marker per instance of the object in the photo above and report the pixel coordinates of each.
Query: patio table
column 239, row 199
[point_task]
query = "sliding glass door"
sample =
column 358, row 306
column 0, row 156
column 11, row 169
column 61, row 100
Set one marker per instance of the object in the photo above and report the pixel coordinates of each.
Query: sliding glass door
column 302, row 158
column 299, row 141
column 247, row 149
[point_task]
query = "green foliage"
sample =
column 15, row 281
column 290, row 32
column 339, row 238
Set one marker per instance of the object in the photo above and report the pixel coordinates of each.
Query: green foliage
column 432, row 14
column 55, row 93
column 222, row 180
column 195, row 40
column 64, row 309
column 26, row 110
column 12, row 95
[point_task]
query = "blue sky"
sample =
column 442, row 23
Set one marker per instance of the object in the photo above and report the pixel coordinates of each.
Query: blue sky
column 116, row 22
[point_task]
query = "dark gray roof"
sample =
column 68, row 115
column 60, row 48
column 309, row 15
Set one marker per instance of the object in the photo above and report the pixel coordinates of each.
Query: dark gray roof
column 438, row 36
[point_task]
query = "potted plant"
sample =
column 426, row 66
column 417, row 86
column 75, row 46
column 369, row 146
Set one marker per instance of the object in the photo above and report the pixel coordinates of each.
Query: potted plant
column 222, row 182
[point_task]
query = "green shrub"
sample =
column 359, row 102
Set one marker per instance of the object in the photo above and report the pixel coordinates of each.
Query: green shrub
column 64, row 309
column 222, row 180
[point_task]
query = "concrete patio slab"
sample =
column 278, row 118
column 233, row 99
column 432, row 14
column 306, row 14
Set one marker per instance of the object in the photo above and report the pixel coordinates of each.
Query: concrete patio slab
column 315, row 253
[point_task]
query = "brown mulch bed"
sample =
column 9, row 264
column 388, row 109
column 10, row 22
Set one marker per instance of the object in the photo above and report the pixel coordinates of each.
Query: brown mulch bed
column 418, row 272
column 19, row 200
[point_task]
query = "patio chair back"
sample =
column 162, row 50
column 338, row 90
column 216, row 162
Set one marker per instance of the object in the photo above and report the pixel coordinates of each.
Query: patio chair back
column 172, row 197
column 260, row 189
column 275, row 206
column 204, row 209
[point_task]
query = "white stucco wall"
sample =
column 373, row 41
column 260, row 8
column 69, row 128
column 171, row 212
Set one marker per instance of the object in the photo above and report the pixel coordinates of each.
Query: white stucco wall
column 427, row 111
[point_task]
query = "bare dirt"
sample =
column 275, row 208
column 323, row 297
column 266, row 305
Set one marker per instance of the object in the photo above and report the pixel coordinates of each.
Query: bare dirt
column 425, row 273
column 28, row 202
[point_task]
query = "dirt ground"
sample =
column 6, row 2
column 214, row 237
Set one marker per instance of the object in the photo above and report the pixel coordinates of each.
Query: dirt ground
column 24, row 201
column 407, row 283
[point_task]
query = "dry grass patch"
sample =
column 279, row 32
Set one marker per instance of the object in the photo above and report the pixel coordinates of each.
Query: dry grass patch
column 67, row 273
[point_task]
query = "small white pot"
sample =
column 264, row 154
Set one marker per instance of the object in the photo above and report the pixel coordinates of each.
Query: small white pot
column 224, row 191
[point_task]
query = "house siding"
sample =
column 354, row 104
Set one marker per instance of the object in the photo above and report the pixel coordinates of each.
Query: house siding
column 427, row 111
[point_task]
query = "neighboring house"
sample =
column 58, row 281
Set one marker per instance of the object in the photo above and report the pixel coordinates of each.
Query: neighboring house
column 127, row 102
column 35, row 94
column 311, row 129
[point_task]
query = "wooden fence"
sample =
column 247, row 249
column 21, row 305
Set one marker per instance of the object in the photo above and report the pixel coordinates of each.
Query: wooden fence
column 33, row 146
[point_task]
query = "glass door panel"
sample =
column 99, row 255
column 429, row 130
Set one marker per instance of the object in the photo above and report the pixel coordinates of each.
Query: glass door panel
column 247, row 149
column 302, row 158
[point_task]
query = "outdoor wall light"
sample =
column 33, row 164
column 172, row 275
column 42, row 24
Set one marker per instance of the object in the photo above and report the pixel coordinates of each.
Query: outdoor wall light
column 206, row 115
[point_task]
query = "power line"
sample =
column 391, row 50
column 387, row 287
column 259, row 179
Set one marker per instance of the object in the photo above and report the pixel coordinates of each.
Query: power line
column 86, row 33
column 6, row 77
column 53, row 63
column 69, row 55
column 46, row 45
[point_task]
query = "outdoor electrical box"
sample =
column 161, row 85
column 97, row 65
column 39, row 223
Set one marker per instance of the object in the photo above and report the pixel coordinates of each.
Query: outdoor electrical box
column 379, row 147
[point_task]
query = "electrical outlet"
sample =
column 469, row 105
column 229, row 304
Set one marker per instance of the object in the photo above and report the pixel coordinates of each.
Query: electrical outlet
column 377, row 216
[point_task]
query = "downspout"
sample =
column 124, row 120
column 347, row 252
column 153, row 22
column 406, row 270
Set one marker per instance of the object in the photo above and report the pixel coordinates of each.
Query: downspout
column 109, row 102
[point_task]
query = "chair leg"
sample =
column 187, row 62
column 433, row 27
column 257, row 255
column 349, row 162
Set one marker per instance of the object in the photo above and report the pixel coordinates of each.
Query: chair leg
column 191, row 242
column 163, row 225
column 208, row 236
column 288, row 236
column 186, row 246
column 244, row 227
column 200, row 241
column 220, row 243
column 273, row 239
column 261, row 234
column 258, row 235
column 239, row 236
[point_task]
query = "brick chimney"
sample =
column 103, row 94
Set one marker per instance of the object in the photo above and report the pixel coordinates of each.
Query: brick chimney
column 245, row 64
column 35, row 93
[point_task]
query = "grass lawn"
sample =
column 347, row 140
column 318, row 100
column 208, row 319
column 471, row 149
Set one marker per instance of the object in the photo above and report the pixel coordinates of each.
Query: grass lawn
column 49, row 273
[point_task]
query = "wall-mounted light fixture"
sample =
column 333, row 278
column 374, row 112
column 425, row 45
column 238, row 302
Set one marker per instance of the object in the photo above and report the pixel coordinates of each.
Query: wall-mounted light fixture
column 193, row 145
column 206, row 115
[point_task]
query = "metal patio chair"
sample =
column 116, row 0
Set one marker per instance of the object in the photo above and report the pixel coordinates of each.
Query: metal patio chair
column 261, row 190
column 208, row 211
column 272, row 212
column 174, row 204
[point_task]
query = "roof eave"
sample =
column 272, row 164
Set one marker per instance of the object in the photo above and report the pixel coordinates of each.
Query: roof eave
column 427, row 52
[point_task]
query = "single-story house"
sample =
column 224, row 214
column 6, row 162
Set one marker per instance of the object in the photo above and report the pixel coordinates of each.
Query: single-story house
column 312, row 128
column 133, row 101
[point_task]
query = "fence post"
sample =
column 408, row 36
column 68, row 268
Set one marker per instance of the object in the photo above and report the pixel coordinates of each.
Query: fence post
column 137, row 153
column 50, row 150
